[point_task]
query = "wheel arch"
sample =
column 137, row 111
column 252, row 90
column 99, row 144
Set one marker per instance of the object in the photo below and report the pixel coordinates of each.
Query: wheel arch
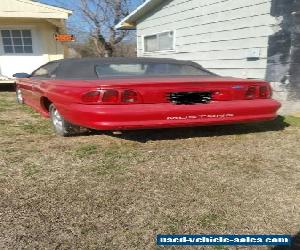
column 45, row 103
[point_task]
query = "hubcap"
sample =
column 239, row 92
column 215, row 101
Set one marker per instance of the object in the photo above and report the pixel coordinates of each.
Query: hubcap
column 57, row 120
column 19, row 96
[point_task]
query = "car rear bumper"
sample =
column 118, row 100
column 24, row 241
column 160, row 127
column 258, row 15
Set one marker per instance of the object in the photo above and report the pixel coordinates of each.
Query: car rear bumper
column 143, row 116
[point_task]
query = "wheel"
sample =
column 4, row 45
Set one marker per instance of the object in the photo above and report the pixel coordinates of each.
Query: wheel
column 61, row 126
column 19, row 96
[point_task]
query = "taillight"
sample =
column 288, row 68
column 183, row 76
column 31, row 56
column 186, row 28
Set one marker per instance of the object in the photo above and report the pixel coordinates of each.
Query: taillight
column 251, row 93
column 91, row 97
column 265, row 92
column 110, row 96
column 129, row 96
column 259, row 92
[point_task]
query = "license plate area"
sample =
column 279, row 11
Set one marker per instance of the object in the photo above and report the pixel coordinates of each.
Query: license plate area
column 189, row 98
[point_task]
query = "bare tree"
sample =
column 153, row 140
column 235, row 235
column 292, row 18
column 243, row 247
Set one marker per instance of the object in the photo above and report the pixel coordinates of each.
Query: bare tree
column 93, row 21
column 102, row 16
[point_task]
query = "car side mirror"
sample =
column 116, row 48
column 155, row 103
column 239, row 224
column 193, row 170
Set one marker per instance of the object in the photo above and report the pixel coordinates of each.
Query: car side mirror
column 21, row 75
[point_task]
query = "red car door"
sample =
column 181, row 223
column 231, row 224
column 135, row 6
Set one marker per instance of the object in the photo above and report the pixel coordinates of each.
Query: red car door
column 36, row 92
column 42, row 74
column 26, row 87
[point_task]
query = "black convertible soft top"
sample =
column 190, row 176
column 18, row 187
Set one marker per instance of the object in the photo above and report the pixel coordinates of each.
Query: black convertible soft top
column 85, row 68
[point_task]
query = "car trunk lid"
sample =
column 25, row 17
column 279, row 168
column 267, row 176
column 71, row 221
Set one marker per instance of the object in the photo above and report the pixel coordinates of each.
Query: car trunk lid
column 184, row 90
column 175, row 90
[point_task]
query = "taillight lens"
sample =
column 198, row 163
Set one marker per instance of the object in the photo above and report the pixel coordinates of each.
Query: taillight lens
column 251, row 93
column 262, row 92
column 265, row 92
column 129, row 96
column 91, row 97
column 110, row 96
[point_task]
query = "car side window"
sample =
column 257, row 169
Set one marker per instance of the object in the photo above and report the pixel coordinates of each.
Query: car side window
column 46, row 71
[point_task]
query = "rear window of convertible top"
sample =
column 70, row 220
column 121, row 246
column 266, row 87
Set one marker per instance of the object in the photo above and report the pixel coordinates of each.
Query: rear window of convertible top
column 148, row 69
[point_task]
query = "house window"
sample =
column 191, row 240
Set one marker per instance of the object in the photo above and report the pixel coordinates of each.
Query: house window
column 17, row 41
column 159, row 42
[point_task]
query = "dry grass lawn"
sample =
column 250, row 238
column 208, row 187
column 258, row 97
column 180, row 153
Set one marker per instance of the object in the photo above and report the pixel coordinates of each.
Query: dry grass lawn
column 104, row 192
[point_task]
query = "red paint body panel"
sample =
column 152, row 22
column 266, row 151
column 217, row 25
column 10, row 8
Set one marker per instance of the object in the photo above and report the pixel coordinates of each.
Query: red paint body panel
column 111, row 117
column 154, row 111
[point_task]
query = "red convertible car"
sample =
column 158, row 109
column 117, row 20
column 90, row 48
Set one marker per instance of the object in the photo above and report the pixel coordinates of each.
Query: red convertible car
column 140, row 93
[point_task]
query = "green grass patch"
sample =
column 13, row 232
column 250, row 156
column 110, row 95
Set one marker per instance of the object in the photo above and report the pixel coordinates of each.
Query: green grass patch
column 113, row 160
column 209, row 220
column 108, row 159
column 4, row 122
column 86, row 151
column 40, row 127
column 174, row 223
column 116, row 159
column 293, row 121
column 31, row 111
column 31, row 170
column 5, row 103
column 221, row 248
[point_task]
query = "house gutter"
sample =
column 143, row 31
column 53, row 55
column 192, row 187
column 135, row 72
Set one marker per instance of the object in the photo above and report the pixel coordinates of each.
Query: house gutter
column 129, row 22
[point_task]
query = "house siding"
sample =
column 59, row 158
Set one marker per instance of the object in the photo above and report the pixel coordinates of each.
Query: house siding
column 43, row 21
column 25, row 8
column 218, row 34
column 45, row 48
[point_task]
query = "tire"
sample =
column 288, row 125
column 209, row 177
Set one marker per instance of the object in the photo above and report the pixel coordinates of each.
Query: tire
column 19, row 96
column 61, row 126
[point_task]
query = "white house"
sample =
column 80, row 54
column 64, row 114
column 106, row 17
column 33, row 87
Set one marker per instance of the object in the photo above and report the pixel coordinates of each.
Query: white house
column 27, row 30
column 241, row 38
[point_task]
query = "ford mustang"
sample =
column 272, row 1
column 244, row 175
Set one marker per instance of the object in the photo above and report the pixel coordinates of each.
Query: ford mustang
column 118, row 94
